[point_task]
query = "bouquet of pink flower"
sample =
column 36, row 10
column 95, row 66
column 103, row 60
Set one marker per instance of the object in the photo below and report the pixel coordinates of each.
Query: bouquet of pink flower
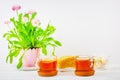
column 27, row 34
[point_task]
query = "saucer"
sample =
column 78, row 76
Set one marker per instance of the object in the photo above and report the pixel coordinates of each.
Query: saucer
column 29, row 69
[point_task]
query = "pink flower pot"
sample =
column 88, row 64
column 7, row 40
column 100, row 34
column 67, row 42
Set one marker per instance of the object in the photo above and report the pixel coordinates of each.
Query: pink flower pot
column 30, row 58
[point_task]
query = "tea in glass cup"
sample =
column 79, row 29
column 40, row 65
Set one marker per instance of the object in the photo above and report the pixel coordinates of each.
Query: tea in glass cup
column 84, row 65
column 47, row 66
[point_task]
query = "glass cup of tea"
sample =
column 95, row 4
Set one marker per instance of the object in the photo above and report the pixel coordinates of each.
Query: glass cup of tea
column 84, row 65
column 47, row 66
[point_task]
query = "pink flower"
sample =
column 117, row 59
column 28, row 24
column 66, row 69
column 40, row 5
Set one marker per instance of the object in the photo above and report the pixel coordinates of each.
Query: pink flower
column 25, row 19
column 6, row 22
column 35, row 22
column 16, row 7
column 30, row 12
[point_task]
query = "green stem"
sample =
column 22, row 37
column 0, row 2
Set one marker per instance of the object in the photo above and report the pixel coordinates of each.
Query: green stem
column 17, row 12
column 24, row 52
column 53, row 52
column 9, row 26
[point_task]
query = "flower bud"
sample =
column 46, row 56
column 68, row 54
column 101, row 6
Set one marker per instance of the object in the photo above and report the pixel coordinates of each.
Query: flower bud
column 6, row 22
column 25, row 19
column 16, row 7
column 35, row 22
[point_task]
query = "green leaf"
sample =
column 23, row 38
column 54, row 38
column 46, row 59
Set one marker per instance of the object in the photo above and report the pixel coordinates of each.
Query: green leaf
column 38, row 31
column 11, row 59
column 7, row 58
column 33, row 15
column 16, row 53
column 19, row 65
column 44, row 51
column 49, row 30
column 48, row 39
column 57, row 43
column 53, row 45
column 38, row 44
column 10, row 42
column 9, row 46
column 20, row 17
column 12, row 53
column 26, row 15
column 53, row 52
column 12, row 19
column 6, row 34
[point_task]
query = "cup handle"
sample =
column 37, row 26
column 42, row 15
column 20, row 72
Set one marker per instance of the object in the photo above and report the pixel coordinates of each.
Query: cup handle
column 92, row 63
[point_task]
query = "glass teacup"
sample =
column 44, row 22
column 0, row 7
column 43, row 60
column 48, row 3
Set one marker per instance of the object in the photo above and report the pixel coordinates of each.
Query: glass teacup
column 84, row 65
column 47, row 66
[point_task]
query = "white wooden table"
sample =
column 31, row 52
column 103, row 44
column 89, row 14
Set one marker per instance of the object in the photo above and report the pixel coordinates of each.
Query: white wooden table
column 8, row 72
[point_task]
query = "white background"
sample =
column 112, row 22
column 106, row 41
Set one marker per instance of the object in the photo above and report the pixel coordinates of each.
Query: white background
column 83, row 26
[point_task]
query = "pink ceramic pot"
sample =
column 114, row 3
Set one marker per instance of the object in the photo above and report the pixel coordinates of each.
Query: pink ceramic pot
column 30, row 58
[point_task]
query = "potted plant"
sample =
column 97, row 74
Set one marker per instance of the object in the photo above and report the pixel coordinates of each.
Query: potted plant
column 28, row 36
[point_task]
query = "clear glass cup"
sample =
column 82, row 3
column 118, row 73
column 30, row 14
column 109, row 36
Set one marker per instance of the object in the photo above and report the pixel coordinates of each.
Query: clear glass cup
column 84, row 65
column 101, row 62
column 47, row 66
